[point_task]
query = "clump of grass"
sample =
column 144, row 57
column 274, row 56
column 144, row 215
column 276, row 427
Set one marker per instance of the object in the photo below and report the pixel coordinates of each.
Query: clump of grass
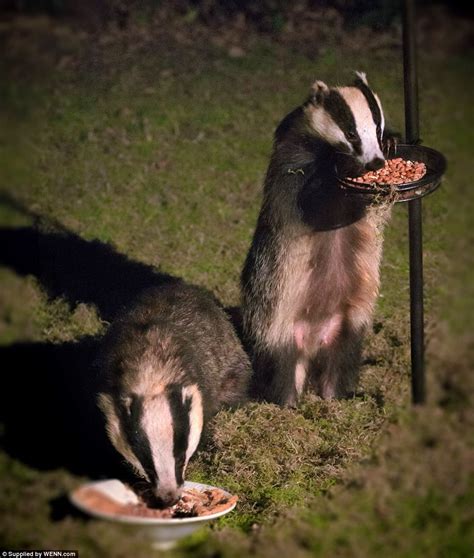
column 273, row 457
column 412, row 493
column 59, row 323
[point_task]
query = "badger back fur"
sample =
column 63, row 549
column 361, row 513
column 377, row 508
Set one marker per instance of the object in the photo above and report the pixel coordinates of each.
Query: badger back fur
column 311, row 277
column 168, row 364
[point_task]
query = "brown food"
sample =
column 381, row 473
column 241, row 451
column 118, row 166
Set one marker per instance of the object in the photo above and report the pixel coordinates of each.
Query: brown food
column 193, row 503
column 395, row 171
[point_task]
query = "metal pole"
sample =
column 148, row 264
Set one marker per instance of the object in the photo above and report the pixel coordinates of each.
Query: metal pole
column 414, row 208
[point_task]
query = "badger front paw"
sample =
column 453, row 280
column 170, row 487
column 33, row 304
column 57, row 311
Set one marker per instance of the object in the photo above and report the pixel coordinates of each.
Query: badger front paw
column 390, row 141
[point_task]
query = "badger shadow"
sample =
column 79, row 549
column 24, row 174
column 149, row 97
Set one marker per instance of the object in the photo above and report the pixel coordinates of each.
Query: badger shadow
column 48, row 391
column 48, row 407
column 78, row 270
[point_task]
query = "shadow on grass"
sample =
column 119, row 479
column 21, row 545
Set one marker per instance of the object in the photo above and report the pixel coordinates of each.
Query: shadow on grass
column 61, row 507
column 48, row 407
column 49, row 391
column 78, row 270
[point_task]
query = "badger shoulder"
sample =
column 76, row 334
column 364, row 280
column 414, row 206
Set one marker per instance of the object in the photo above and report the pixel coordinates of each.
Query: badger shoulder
column 177, row 334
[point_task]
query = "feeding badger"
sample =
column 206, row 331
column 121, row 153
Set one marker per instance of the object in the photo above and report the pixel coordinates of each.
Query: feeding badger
column 311, row 276
column 168, row 364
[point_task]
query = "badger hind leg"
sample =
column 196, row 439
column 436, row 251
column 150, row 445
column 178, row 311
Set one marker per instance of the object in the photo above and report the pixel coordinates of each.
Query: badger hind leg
column 335, row 368
column 279, row 375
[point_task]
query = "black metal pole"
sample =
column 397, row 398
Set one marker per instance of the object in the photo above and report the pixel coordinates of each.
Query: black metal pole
column 414, row 208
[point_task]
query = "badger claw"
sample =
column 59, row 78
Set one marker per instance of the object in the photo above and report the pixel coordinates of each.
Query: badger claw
column 390, row 142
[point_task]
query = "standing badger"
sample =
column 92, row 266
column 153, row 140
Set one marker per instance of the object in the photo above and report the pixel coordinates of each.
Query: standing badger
column 311, row 277
column 168, row 365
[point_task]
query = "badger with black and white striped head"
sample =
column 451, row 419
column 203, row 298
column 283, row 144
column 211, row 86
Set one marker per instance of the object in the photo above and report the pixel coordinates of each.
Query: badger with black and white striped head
column 311, row 277
column 168, row 364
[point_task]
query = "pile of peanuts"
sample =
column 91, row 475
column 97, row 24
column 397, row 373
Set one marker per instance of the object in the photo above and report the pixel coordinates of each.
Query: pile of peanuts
column 395, row 171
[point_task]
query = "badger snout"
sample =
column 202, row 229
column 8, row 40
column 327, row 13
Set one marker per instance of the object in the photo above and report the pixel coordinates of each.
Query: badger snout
column 165, row 497
column 348, row 165
column 375, row 164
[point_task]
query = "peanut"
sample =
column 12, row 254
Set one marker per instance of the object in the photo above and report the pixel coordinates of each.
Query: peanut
column 395, row 171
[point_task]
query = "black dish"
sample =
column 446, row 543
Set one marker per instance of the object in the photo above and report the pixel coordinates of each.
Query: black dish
column 435, row 167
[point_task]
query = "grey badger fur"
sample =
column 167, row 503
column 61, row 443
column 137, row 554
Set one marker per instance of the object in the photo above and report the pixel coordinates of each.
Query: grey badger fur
column 311, row 277
column 168, row 364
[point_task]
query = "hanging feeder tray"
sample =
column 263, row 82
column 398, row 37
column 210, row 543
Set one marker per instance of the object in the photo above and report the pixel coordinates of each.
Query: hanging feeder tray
column 435, row 167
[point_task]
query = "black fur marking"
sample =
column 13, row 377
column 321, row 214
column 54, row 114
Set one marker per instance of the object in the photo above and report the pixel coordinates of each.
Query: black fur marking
column 288, row 123
column 341, row 147
column 324, row 206
column 181, row 427
column 335, row 104
column 373, row 106
column 136, row 436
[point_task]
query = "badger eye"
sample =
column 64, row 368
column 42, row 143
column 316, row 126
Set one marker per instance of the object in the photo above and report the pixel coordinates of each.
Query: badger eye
column 351, row 136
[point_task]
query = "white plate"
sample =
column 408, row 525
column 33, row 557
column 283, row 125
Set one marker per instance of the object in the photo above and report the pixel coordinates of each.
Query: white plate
column 164, row 533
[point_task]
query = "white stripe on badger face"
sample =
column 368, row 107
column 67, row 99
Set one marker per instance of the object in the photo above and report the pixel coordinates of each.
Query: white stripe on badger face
column 364, row 123
column 196, row 419
column 325, row 126
column 160, row 433
column 157, row 422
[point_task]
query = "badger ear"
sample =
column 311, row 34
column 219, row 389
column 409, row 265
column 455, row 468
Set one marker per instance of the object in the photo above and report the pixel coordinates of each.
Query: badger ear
column 318, row 90
column 361, row 77
column 105, row 404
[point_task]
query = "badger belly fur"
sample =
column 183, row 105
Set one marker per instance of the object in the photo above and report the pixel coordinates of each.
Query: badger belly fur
column 330, row 282
column 168, row 364
column 325, row 286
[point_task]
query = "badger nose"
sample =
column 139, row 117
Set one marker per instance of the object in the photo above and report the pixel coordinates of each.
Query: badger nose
column 375, row 164
column 166, row 498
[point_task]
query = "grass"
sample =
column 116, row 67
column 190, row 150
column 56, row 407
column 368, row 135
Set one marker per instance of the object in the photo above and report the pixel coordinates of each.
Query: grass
column 159, row 150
